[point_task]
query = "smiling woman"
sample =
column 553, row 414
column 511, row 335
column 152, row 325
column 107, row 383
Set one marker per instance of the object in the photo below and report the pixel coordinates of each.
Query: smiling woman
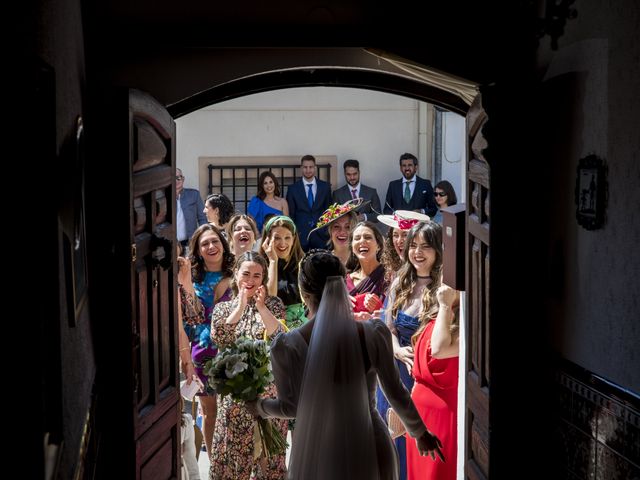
column 268, row 200
column 242, row 233
column 252, row 313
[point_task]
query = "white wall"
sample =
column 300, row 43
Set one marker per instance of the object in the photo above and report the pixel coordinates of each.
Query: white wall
column 453, row 152
column 372, row 127
column 594, row 299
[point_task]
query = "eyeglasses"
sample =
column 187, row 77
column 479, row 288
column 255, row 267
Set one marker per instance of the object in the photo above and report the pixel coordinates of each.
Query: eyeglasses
column 439, row 194
column 179, row 177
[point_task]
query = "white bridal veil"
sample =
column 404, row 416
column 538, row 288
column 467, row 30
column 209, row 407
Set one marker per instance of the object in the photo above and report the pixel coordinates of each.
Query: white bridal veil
column 333, row 436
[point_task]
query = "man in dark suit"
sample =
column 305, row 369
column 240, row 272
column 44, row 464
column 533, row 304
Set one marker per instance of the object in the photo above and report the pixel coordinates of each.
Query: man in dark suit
column 190, row 212
column 354, row 189
column 308, row 198
column 410, row 192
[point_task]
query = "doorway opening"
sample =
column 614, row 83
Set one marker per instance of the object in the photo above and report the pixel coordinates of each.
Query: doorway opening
column 370, row 125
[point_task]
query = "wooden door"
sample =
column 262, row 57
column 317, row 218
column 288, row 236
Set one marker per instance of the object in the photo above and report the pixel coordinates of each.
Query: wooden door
column 153, row 329
column 478, row 368
column 131, row 189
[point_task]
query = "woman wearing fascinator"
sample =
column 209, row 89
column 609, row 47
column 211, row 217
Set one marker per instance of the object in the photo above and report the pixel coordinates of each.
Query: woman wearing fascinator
column 325, row 373
column 365, row 277
column 339, row 219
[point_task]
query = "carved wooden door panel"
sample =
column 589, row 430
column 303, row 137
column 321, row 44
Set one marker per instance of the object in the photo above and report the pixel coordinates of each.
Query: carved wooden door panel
column 154, row 332
column 478, row 368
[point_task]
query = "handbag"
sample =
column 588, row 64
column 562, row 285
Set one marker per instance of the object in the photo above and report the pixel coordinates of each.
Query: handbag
column 395, row 425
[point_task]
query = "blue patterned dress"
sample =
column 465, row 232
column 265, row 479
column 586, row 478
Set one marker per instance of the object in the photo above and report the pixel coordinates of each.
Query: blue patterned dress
column 202, row 347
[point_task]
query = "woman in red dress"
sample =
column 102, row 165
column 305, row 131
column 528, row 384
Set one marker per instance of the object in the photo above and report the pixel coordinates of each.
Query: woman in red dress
column 435, row 365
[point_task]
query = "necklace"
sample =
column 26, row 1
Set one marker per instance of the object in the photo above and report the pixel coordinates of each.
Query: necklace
column 424, row 278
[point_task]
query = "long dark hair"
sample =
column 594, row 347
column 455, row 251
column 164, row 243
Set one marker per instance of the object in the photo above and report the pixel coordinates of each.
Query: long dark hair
column 447, row 188
column 353, row 264
column 261, row 193
column 197, row 262
column 224, row 206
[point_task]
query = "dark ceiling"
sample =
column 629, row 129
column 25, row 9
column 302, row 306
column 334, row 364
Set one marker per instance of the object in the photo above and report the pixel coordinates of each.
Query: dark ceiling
column 467, row 39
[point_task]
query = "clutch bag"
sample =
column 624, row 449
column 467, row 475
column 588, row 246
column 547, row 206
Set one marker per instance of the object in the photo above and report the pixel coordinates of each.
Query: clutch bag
column 396, row 427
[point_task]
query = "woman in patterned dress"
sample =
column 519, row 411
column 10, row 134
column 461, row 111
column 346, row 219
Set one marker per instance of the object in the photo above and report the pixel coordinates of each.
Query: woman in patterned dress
column 252, row 313
column 211, row 270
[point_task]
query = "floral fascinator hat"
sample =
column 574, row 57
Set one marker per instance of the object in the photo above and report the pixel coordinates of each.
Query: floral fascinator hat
column 403, row 219
column 337, row 211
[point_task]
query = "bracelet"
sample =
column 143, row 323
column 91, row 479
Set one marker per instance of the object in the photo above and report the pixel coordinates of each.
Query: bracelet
column 185, row 348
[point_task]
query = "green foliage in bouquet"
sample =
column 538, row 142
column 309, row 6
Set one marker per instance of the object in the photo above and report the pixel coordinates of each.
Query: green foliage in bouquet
column 243, row 371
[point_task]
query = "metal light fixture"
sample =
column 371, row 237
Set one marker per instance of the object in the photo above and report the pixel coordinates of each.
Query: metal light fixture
column 555, row 14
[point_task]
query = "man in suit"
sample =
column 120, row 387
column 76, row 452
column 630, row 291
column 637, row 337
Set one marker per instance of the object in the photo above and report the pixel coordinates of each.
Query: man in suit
column 410, row 192
column 354, row 189
column 308, row 198
column 189, row 212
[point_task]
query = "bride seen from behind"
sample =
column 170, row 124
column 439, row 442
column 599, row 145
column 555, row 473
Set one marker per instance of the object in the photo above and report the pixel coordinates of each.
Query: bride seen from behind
column 325, row 373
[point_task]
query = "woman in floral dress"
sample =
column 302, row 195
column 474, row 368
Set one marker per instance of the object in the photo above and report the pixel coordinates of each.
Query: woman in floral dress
column 252, row 313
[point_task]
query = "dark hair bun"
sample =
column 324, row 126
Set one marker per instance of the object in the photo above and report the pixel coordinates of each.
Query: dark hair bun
column 315, row 267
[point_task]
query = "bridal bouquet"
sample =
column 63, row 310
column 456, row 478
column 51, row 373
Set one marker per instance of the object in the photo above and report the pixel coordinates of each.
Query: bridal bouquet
column 243, row 370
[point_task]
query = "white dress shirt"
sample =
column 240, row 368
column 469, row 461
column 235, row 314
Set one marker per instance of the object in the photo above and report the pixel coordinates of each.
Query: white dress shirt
column 412, row 185
column 181, row 226
column 314, row 189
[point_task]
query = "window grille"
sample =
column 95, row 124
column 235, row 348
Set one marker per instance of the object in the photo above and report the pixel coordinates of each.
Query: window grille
column 240, row 183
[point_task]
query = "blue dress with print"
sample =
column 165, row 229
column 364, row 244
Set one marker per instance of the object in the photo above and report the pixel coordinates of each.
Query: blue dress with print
column 202, row 347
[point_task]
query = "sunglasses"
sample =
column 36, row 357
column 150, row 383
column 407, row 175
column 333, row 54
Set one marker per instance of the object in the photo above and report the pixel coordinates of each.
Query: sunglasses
column 179, row 177
column 439, row 194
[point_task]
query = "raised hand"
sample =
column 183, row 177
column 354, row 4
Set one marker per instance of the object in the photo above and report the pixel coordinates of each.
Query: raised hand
column 184, row 270
column 269, row 251
column 260, row 296
column 446, row 295
column 243, row 296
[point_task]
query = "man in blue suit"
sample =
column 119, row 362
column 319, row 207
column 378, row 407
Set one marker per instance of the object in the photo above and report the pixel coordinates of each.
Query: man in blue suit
column 190, row 210
column 410, row 192
column 308, row 198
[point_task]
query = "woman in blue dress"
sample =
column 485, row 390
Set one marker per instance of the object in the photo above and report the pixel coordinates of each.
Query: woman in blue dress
column 211, row 263
column 405, row 322
column 268, row 200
